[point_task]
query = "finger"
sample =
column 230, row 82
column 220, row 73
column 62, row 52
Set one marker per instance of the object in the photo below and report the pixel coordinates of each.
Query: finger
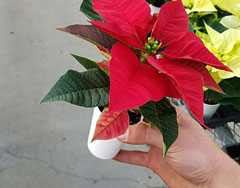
column 142, row 134
column 132, row 157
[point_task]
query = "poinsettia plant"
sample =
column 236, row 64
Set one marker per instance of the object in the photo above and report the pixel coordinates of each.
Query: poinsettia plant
column 148, row 59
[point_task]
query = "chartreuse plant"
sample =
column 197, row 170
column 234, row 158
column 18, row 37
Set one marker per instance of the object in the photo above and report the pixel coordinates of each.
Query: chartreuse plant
column 233, row 7
column 148, row 59
column 226, row 47
column 200, row 11
column 200, row 6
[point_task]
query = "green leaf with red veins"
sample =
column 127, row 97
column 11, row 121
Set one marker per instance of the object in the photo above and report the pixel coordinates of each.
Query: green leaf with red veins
column 111, row 125
column 91, row 34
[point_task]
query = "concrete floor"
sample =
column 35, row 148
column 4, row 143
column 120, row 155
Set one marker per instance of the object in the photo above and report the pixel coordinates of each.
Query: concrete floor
column 44, row 146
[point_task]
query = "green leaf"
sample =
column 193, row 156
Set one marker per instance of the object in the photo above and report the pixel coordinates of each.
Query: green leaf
column 231, row 101
column 151, row 1
column 230, row 86
column 237, row 106
column 234, row 101
column 157, row 3
column 87, row 9
column 88, row 89
column 163, row 115
column 89, row 64
column 190, row 27
column 91, row 34
column 214, row 22
column 218, row 26
column 86, row 63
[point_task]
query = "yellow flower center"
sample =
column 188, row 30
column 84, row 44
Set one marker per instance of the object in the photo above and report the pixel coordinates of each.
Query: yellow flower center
column 151, row 47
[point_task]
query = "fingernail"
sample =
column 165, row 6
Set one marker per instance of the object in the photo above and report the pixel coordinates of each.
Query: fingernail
column 124, row 136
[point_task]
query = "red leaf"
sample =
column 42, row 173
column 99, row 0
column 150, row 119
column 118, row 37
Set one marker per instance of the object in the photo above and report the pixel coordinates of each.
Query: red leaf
column 188, row 82
column 111, row 125
column 208, row 81
column 116, row 31
column 104, row 64
column 124, row 12
column 103, row 50
column 91, row 34
column 172, row 23
column 131, row 83
column 195, row 51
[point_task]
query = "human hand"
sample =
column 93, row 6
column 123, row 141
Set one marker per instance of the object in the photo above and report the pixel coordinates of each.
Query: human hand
column 192, row 161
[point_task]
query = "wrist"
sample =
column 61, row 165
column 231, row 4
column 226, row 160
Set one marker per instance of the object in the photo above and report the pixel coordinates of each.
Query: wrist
column 226, row 173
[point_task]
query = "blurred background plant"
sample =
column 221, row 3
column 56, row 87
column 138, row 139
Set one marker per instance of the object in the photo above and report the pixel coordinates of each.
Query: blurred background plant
column 217, row 23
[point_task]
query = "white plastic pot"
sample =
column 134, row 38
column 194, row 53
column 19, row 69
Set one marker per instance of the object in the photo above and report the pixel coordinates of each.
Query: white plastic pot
column 103, row 149
column 209, row 110
column 154, row 9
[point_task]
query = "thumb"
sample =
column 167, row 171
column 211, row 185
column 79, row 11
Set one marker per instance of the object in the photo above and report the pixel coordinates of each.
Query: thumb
column 141, row 134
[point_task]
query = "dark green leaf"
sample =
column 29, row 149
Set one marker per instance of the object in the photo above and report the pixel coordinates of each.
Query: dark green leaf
column 87, row 9
column 237, row 106
column 87, row 63
column 88, row 89
column 218, row 26
column 91, row 34
column 163, row 115
column 214, row 22
column 151, row 1
column 232, row 100
column 157, row 3
column 235, row 101
column 190, row 27
column 231, row 87
column 221, row 13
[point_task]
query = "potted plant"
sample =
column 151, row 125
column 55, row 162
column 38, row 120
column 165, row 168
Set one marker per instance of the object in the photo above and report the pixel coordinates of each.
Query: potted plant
column 147, row 60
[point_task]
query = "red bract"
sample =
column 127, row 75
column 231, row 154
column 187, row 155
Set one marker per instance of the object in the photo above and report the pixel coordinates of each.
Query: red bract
column 129, row 21
column 179, row 73
column 187, row 81
column 132, row 83
column 190, row 47
column 172, row 23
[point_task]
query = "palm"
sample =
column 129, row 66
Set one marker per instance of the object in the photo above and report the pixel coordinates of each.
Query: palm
column 186, row 160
